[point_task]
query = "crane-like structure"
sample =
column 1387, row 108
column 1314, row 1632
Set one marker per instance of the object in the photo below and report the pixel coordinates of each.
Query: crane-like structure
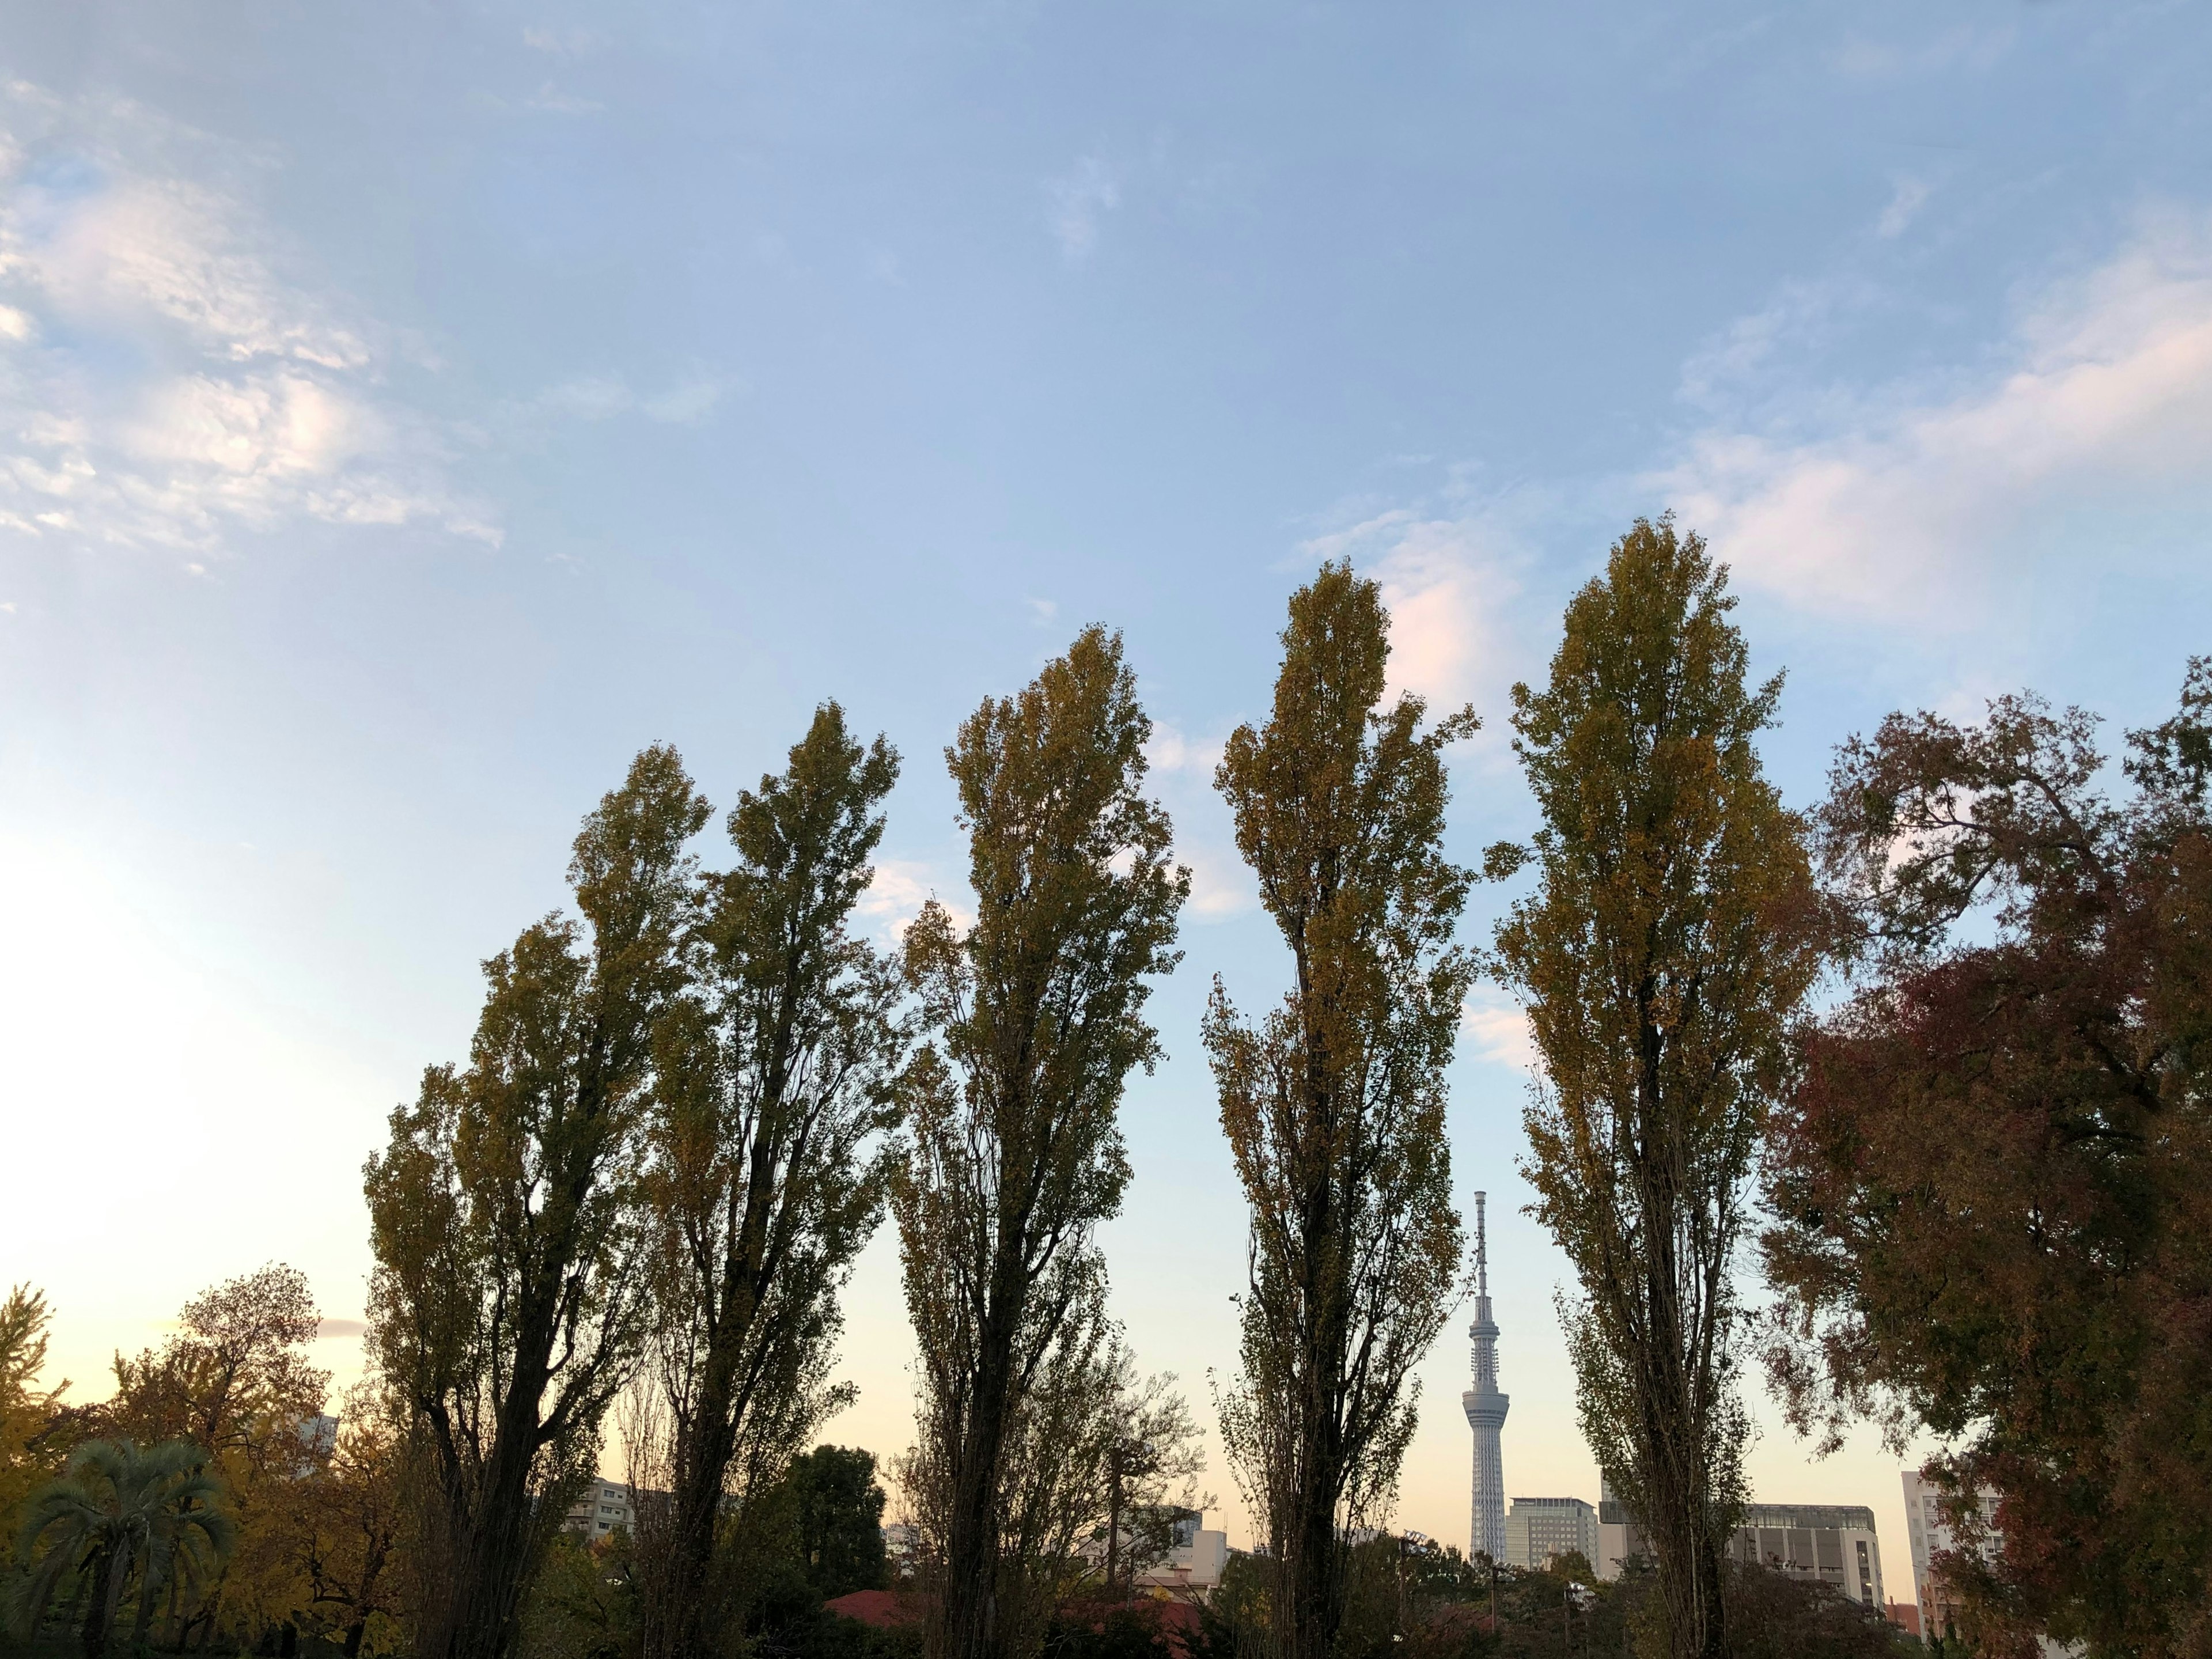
column 1485, row 1409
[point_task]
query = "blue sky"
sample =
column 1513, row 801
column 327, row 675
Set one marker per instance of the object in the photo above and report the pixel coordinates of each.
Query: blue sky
column 408, row 411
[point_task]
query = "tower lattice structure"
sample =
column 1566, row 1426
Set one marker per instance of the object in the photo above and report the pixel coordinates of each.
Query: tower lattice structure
column 1485, row 1409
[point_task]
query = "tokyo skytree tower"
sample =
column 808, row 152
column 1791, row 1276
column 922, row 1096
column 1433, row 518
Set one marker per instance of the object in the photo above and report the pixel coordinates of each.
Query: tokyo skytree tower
column 1486, row 1410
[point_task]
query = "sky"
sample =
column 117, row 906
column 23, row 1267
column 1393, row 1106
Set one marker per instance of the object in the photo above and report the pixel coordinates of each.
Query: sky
column 409, row 411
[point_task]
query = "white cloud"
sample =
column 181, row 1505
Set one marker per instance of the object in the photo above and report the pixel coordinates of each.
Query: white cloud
column 896, row 895
column 1077, row 201
column 1447, row 585
column 161, row 384
column 1169, row 750
column 1499, row 1028
column 1221, row 883
column 1905, row 201
column 2103, row 389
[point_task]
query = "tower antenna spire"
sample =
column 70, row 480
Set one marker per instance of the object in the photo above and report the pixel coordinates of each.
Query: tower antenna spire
column 1481, row 1249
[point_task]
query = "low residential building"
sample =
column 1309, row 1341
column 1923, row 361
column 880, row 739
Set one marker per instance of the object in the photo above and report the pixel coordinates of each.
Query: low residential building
column 1197, row 1556
column 605, row 1506
column 1540, row 1530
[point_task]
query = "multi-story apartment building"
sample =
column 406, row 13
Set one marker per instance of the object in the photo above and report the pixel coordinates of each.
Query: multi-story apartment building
column 605, row 1506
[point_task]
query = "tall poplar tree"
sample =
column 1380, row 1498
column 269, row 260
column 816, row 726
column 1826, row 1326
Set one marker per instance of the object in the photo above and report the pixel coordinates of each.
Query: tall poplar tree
column 1015, row 1155
column 1671, row 941
column 1334, row 1103
column 506, row 1302
column 774, row 1075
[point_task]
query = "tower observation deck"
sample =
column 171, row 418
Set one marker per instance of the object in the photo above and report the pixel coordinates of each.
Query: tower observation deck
column 1485, row 1410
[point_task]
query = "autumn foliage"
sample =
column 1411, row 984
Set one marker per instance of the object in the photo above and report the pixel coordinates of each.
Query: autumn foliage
column 1992, row 1190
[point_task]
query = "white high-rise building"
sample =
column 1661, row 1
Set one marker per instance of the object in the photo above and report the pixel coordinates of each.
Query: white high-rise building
column 1486, row 1410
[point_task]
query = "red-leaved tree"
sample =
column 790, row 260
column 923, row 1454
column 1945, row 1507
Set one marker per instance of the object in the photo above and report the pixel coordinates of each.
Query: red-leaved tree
column 1992, row 1191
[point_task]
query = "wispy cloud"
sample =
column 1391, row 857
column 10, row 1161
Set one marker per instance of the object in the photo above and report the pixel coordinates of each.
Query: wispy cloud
column 564, row 43
column 160, row 383
column 550, row 100
column 1738, row 367
column 1905, row 496
column 1078, row 198
column 606, row 396
column 1966, row 47
column 1906, row 198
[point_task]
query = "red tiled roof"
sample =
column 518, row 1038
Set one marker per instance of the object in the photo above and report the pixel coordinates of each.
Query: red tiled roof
column 884, row 1609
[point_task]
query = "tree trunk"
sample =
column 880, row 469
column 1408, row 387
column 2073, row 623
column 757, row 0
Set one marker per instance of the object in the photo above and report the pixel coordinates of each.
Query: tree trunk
column 96, row 1615
column 677, row 1620
column 971, row 1545
column 1316, row 1585
column 494, row 1539
column 971, row 1619
column 353, row 1633
column 147, row 1590
column 1676, row 1481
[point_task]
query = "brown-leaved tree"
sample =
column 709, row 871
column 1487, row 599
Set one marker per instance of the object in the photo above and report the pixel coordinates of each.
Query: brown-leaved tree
column 1334, row 1103
column 775, row 1078
column 1014, row 1154
column 507, row 1303
column 1662, row 962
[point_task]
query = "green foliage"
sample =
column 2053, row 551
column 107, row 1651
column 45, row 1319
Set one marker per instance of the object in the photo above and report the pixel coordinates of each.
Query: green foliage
column 1334, row 1105
column 582, row 1602
column 1132, row 1630
column 32, row 1421
column 1667, row 951
column 834, row 1513
column 121, row 1517
column 235, row 1378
